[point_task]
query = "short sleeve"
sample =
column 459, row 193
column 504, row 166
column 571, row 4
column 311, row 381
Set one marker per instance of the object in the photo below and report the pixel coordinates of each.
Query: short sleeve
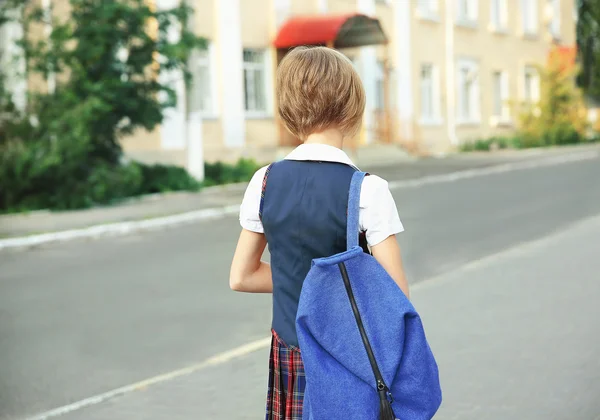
column 379, row 217
column 249, row 218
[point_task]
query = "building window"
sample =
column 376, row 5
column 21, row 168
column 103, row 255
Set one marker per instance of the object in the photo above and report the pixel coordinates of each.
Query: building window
column 553, row 9
column 529, row 16
column 501, row 110
column 498, row 94
column 202, row 81
column 430, row 95
column 380, row 86
column 467, row 12
column 255, row 82
column 428, row 9
column 468, row 92
column 427, row 91
column 531, row 85
column 498, row 15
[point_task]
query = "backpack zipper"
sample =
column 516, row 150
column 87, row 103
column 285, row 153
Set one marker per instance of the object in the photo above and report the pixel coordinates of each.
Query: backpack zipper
column 381, row 386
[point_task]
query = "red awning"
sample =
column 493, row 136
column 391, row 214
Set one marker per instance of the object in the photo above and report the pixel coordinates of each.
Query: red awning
column 343, row 31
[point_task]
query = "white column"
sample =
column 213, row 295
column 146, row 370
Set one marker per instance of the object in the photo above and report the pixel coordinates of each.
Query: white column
column 47, row 7
column 403, row 52
column 12, row 60
column 368, row 68
column 172, row 129
column 229, row 46
column 195, row 148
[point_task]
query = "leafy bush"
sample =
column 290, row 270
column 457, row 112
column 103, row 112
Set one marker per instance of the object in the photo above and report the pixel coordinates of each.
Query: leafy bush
column 162, row 178
column 563, row 134
column 560, row 116
column 487, row 144
column 32, row 178
column 220, row 173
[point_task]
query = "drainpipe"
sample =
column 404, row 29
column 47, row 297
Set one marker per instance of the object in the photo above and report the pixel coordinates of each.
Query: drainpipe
column 450, row 76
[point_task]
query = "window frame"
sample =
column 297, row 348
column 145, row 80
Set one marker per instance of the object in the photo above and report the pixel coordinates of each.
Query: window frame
column 474, row 117
column 435, row 116
column 502, row 117
column 533, row 72
column 471, row 18
column 428, row 10
column 206, row 59
column 555, row 24
column 530, row 19
column 253, row 67
column 499, row 23
column 380, row 86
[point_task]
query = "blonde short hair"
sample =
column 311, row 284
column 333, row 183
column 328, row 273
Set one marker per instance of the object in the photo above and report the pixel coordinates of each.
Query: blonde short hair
column 317, row 89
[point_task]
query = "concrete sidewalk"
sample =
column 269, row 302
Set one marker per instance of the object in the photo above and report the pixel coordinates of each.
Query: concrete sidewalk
column 515, row 336
column 397, row 168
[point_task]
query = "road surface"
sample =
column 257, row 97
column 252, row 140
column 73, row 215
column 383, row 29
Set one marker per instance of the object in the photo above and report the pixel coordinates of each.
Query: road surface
column 505, row 272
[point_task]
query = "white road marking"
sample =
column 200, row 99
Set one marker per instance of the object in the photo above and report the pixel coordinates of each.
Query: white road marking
column 124, row 228
column 216, row 360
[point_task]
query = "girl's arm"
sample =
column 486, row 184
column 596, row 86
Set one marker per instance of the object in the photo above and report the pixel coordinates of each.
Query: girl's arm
column 380, row 220
column 248, row 273
column 387, row 253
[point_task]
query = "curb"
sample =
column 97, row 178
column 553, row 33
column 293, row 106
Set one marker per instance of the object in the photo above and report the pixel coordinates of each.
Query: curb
column 120, row 228
column 123, row 228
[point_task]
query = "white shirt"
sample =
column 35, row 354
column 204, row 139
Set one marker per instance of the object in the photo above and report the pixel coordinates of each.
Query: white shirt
column 378, row 216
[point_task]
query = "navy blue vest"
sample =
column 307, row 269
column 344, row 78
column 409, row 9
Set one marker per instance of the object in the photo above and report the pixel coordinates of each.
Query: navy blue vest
column 304, row 215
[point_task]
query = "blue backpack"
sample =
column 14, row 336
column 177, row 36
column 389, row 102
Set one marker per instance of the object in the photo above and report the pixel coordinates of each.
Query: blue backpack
column 363, row 345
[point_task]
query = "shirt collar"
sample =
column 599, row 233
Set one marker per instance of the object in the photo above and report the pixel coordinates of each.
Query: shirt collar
column 320, row 152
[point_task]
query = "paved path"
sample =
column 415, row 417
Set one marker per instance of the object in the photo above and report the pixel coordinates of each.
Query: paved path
column 81, row 318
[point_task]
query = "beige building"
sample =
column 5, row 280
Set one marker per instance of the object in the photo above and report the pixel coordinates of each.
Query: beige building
column 437, row 72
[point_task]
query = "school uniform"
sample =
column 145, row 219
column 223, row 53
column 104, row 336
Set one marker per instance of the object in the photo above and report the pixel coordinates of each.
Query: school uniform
column 300, row 205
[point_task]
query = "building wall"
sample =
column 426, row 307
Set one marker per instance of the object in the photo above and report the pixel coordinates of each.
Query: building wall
column 257, row 34
column 429, row 37
column 428, row 47
column 568, row 19
column 509, row 50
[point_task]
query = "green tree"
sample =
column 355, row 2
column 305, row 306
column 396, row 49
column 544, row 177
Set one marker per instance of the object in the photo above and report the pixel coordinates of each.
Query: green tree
column 65, row 151
column 588, row 46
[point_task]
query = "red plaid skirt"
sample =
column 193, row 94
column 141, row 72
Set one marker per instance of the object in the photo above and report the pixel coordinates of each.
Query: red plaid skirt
column 286, row 382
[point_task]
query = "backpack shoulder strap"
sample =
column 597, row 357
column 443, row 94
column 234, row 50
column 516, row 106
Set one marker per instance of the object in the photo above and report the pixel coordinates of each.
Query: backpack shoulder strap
column 352, row 224
column 263, row 189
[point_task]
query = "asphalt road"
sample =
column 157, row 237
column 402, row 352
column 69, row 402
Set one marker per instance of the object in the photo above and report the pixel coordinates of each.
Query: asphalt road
column 81, row 318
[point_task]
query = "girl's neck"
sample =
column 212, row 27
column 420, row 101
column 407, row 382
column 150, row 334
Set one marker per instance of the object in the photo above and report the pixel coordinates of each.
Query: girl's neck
column 331, row 137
